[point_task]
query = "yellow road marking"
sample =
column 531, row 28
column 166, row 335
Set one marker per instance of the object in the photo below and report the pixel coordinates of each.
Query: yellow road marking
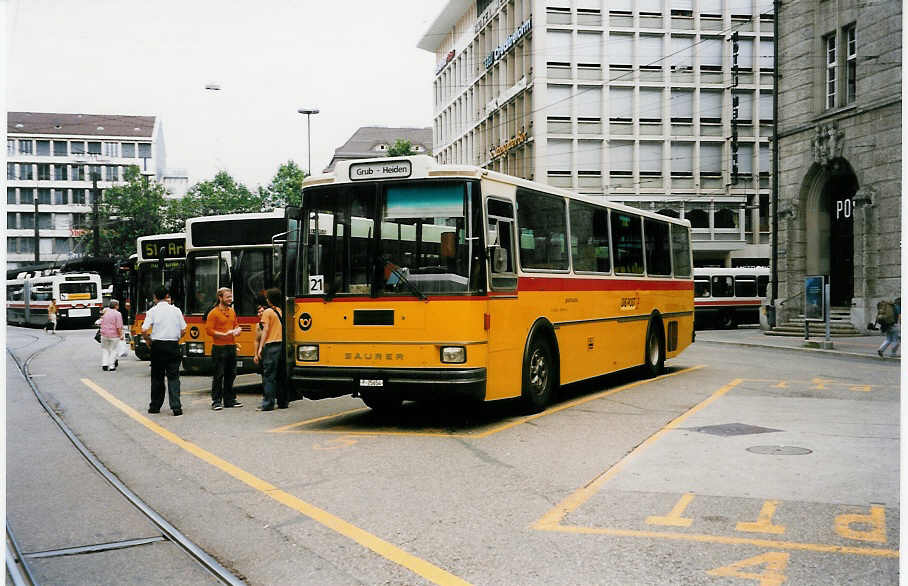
column 553, row 518
column 701, row 538
column 381, row 547
column 764, row 522
column 297, row 427
column 674, row 518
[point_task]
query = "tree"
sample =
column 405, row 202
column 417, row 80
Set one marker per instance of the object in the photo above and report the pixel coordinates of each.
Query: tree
column 126, row 212
column 401, row 148
column 221, row 195
column 286, row 187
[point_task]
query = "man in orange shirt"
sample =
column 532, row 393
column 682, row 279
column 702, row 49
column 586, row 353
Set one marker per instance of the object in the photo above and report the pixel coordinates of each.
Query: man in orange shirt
column 223, row 327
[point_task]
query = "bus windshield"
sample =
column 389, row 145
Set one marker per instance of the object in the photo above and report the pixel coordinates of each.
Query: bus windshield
column 248, row 272
column 394, row 239
column 150, row 278
column 73, row 291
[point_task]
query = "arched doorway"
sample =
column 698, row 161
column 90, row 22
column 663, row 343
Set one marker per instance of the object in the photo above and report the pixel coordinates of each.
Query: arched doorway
column 829, row 222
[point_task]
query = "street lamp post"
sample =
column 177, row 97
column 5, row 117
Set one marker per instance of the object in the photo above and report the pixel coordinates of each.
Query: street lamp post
column 308, row 112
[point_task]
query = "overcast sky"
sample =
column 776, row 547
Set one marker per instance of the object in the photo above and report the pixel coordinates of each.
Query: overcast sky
column 355, row 60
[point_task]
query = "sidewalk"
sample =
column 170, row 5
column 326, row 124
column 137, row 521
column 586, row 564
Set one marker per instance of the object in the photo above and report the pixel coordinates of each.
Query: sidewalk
column 860, row 346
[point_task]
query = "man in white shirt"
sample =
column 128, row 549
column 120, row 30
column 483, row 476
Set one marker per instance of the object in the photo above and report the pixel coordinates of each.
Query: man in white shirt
column 162, row 329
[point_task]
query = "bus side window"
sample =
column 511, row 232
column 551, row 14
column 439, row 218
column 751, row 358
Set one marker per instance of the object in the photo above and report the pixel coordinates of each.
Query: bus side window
column 723, row 286
column 745, row 287
column 762, row 285
column 500, row 235
column 701, row 288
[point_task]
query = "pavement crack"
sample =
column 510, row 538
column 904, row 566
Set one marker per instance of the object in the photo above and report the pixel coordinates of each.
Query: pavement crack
column 482, row 455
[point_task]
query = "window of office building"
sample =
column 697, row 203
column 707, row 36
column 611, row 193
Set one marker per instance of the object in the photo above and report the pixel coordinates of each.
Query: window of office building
column 77, row 147
column 94, row 172
column 26, row 221
column 621, row 6
column 26, row 195
column 710, row 106
column 60, row 173
column 25, row 147
column 112, row 173
column 745, row 54
column 111, row 149
column 43, row 172
column 60, row 148
column 559, row 99
column 725, row 218
column 711, row 51
column 44, row 196
column 94, row 148
column 559, row 155
column 589, row 157
column 650, row 104
column 682, row 53
column 144, row 150
column 650, row 158
column 682, row 159
column 621, row 50
column 851, row 59
column 79, row 196
column 11, row 221
column 745, row 106
column 740, row 8
column 652, row 7
column 62, row 245
column 589, row 48
column 26, row 171
column 558, row 47
column 10, row 195
column 588, row 102
column 830, row 48
column 10, row 146
column 60, row 197
column 765, row 159
column 649, row 51
column 621, row 104
column 765, row 107
column 745, row 159
column 698, row 218
column 767, row 54
column 682, row 106
column 10, row 170
column 26, row 245
column 710, row 159
column 129, row 150
column 12, row 245
column 42, row 148
column 621, row 157
column 78, row 172
column 44, row 221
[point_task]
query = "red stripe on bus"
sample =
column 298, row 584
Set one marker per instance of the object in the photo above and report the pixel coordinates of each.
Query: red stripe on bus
column 575, row 284
column 243, row 319
column 730, row 302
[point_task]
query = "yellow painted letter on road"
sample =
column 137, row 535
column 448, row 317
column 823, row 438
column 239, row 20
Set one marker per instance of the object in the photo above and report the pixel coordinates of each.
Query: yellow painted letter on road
column 763, row 523
column 844, row 525
column 773, row 575
column 674, row 518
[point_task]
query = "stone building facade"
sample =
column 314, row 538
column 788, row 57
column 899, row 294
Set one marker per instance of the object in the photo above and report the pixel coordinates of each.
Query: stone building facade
column 840, row 153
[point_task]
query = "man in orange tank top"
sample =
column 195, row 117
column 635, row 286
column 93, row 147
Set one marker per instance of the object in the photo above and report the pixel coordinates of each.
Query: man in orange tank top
column 222, row 325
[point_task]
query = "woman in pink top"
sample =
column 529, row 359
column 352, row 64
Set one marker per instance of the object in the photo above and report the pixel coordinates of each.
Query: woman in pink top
column 111, row 333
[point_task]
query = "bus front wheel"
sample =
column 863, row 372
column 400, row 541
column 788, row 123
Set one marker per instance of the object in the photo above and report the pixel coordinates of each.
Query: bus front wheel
column 382, row 402
column 538, row 376
column 655, row 349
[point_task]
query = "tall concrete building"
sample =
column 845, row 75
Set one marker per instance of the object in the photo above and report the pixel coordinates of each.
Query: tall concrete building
column 661, row 104
column 51, row 158
column 840, row 147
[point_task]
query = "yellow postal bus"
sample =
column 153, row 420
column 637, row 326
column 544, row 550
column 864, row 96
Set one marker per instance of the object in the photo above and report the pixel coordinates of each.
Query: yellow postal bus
column 409, row 280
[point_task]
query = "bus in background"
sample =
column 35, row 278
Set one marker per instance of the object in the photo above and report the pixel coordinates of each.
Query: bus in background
column 725, row 298
column 160, row 262
column 78, row 298
column 235, row 251
column 409, row 280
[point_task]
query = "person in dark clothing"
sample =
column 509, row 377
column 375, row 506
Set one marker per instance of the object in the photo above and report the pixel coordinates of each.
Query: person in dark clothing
column 162, row 329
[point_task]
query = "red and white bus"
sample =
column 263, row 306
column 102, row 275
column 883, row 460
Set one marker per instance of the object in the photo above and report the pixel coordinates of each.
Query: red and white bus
column 727, row 297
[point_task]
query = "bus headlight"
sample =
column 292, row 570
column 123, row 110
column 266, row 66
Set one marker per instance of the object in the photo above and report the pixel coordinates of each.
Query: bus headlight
column 453, row 354
column 195, row 349
column 307, row 353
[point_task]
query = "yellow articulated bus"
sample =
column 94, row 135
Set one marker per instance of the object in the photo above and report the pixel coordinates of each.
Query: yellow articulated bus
column 409, row 280
column 160, row 262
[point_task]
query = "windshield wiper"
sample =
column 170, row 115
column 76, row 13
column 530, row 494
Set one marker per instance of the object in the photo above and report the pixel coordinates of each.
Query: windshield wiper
column 403, row 279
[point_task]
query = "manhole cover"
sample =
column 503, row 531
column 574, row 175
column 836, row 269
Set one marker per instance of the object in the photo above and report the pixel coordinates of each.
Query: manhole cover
column 730, row 429
column 779, row 450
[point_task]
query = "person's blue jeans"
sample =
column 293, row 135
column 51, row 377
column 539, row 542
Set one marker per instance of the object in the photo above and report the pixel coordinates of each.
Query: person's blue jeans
column 272, row 377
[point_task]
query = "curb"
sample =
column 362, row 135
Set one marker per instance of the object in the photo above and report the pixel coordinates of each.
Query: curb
column 802, row 349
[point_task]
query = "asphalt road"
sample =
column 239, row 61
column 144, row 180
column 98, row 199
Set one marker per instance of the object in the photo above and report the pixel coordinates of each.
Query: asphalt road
column 740, row 466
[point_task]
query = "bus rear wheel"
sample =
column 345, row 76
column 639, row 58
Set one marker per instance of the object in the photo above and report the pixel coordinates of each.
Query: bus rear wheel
column 727, row 320
column 538, row 376
column 382, row 401
column 655, row 349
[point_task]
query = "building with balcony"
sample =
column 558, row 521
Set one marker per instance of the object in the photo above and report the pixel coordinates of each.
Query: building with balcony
column 374, row 141
column 840, row 147
column 664, row 105
column 51, row 159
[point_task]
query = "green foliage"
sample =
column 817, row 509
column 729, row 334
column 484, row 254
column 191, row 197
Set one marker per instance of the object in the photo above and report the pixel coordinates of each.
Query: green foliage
column 126, row 212
column 401, row 148
column 221, row 195
column 286, row 187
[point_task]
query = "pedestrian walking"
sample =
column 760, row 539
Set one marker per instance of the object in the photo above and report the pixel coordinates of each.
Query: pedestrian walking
column 52, row 317
column 222, row 325
column 888, row 316
column 111, row 334
column 270, row 350
column 162, row 329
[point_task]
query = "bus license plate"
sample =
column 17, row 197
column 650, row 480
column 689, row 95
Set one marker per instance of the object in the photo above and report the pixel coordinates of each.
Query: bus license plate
column 371, row 382
column 239, row 364
column 79, row 313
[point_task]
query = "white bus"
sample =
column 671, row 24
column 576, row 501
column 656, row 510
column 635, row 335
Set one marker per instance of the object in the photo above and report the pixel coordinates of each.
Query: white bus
column 728, row 297
column 78, row 298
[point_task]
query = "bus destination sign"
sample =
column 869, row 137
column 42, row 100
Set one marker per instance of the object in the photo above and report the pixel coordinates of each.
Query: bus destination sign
column 172, row 248
column 389, row 170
